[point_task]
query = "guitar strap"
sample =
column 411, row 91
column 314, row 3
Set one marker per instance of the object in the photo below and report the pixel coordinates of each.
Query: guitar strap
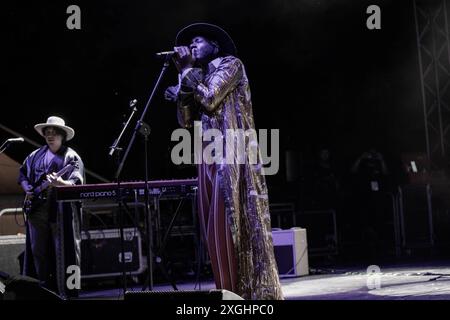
column 57, row 163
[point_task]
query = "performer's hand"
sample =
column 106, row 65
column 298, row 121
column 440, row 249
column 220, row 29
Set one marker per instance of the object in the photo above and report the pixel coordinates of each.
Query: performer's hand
column 183, row 58
column 29, row 193
column 27, row 188
column 54, row 180
column 171, row 93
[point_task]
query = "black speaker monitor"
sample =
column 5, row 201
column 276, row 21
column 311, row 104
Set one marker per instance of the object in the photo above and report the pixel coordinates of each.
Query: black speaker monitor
column 211, row 295
column 23, row 288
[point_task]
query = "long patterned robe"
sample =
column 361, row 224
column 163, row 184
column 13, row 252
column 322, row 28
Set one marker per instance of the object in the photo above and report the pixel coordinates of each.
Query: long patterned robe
column 220, row 97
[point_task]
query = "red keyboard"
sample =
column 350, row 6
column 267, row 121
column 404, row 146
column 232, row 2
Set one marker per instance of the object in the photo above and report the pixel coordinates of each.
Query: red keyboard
column 180, row 187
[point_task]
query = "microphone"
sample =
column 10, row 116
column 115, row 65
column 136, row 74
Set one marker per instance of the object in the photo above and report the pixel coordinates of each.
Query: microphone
column 15, row 140
column 165, row 53
column 133, row 103
column 5, row 144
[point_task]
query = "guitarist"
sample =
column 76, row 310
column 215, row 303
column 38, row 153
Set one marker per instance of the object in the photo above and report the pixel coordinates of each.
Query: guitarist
column 39, row 168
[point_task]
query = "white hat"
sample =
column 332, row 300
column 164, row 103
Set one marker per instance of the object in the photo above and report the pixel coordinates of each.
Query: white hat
column 58, row 123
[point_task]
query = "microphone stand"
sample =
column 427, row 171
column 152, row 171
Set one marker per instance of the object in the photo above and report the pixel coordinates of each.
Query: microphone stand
column 115, row 147
column 116, row 142
column 145, row 130
column 4, row 146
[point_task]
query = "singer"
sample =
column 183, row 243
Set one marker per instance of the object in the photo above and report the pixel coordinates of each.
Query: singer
column 233, row 198
column 42, row 235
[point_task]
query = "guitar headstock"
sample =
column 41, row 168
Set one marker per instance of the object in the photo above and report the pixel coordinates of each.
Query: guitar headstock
column 74, row 163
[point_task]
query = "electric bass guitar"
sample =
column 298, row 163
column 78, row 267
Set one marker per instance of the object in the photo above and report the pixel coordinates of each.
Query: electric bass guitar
column 31, row 200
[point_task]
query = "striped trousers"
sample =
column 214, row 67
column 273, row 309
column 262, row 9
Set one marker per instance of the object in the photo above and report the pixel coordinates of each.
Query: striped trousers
column 215, row 229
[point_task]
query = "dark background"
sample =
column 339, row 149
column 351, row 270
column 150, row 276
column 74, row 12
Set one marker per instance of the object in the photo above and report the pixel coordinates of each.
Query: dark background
column 316, row 73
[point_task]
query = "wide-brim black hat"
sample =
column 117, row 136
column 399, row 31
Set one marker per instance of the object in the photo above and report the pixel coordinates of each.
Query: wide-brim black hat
column 209, row 31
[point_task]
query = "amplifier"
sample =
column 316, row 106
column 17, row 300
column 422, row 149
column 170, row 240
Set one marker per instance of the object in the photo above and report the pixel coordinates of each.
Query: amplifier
column 101, row 253
column 291, row 252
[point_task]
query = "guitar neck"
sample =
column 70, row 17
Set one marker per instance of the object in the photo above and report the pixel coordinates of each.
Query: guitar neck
column 46, row 184
column 43, row 186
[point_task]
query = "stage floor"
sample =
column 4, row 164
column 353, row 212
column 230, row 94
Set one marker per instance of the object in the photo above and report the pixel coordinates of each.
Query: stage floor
column 412, row 281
